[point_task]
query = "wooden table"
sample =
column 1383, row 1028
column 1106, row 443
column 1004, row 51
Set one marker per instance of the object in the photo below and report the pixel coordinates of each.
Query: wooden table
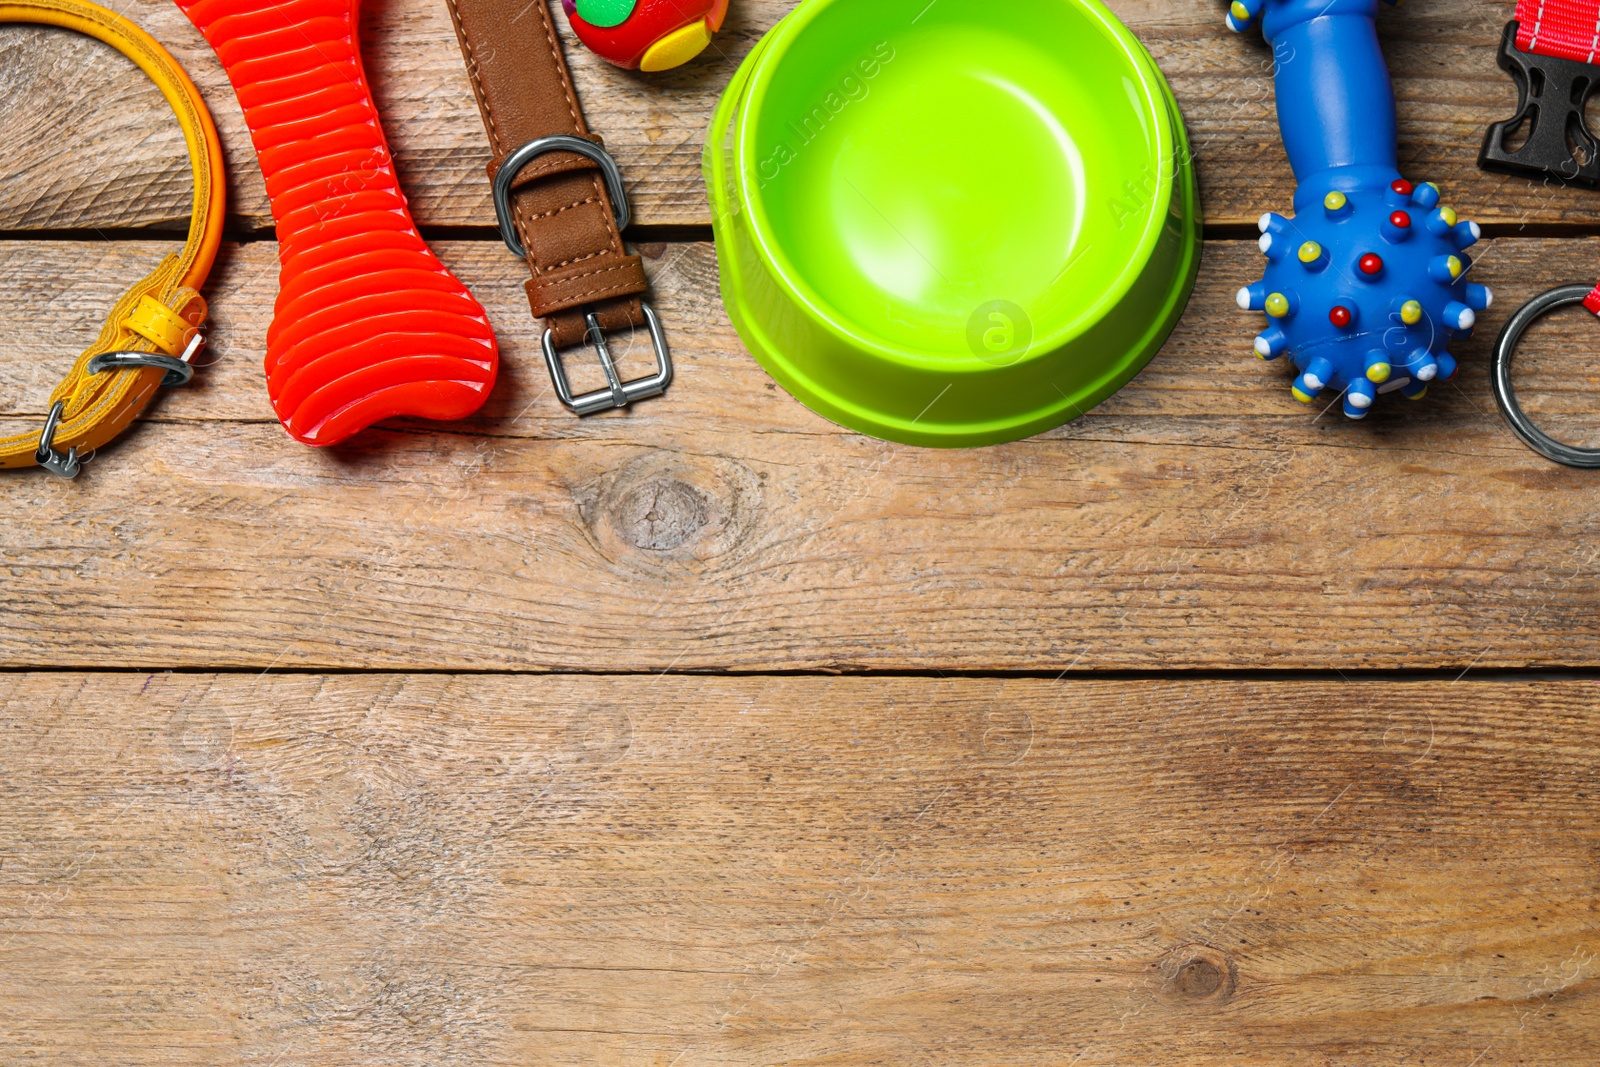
column 1203, row 730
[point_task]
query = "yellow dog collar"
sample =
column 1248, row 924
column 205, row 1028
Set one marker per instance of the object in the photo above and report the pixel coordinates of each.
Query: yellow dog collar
column 155, row 329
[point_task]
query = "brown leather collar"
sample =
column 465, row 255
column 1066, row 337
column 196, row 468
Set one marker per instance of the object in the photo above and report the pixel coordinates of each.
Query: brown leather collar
column 558, row 206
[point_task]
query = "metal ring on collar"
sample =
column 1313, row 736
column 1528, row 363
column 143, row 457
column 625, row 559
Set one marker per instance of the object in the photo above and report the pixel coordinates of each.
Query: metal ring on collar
column 512, row 165
column 46, row 455
column 178, row 372
column 1505, row 351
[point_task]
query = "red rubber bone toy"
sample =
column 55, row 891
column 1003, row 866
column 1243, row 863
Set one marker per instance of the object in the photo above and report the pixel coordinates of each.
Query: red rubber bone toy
column 646, row 35
column 369, row 324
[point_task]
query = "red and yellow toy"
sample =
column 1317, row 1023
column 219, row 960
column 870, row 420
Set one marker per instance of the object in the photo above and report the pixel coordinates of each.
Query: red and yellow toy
column 646, row 35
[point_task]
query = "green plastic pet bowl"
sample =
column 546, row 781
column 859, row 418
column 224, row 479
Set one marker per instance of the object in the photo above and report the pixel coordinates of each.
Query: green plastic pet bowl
column 952, row 223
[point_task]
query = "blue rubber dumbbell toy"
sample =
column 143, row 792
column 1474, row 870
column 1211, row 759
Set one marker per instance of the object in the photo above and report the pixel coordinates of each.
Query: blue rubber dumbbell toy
column 1366, row 285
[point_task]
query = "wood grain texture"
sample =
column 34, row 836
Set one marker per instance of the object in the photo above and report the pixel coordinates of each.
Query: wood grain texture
column 1200, row 519
column 82, row 142
column 305, row 871
column 665, row 869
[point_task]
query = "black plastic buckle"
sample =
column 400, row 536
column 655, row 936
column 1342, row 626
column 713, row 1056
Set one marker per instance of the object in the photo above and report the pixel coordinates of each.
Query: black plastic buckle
column 1551, row 93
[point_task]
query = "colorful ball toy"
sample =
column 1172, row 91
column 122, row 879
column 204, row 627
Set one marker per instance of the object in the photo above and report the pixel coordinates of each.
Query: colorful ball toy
column 1367, row 285
column 646, row 34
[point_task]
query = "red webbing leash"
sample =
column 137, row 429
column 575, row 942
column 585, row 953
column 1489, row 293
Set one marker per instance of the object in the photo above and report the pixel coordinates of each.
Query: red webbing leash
column 1564, row 29
column 1550, row 51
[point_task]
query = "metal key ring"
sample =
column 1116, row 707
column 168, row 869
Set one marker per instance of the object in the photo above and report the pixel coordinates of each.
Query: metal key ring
column 1505, row 349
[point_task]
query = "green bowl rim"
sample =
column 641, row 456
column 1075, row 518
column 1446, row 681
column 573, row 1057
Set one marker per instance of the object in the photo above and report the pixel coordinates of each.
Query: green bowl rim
column 1153, row 96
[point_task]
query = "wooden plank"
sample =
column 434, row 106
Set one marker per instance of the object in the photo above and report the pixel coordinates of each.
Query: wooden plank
column 302, row 871
column 82, row 143
column 1200, row 519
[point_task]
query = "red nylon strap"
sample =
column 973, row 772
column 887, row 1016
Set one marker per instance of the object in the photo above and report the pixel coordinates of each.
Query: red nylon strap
column 1566, row 28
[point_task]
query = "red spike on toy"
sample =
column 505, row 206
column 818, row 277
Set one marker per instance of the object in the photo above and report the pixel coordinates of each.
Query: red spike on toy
column 368, row 324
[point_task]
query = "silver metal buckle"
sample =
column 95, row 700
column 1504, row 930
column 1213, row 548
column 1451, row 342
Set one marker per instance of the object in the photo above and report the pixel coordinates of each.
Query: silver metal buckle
column 179, row 370
column 618, row 393
column 506, row 176
column 66, row 466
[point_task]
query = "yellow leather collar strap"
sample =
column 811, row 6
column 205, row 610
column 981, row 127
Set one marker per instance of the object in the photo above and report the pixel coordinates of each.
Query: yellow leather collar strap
column 163, row 314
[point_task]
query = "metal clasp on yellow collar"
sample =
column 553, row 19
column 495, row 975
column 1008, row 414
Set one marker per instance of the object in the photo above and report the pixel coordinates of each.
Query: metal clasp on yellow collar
column 179, row 370
column 46, row 456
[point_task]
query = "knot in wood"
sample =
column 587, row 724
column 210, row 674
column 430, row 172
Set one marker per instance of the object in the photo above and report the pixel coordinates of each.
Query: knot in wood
column 664, row 512
column 661, row 515
column 1198, row 976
